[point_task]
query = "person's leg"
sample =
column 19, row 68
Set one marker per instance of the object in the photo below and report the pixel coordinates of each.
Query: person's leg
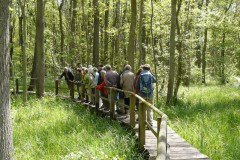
column 89, row 91
column 93, row 97
column 149, row 111
column 127, row 102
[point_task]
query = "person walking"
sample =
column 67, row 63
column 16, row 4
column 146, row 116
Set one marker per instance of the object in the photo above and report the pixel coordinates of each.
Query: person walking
column 145, row 85
column 126, row 83
column 110, row 79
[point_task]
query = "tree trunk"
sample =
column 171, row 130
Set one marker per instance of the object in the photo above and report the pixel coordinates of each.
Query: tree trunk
column 198, row 37
column 105, row 55
column 140, row 33
column 172, row 52
column 84, row 29
column 61, row 32
column 130, row 49
column 96, row 34
column 11, row 33
column 23, row 47
column 34, row 69
column 72, row 46
column 180, row 52
column 40, row 49
column 204, row 49
column 223, row 79
column 89, row 35
column 154, row 52
column 6, row 142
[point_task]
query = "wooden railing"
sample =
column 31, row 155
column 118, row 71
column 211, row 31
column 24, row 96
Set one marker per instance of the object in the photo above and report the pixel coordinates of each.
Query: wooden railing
column 160, row 133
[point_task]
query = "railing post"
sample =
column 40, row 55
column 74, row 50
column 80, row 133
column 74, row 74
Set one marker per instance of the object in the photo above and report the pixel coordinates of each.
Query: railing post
column 71, row 90
column 17, row 86
column 162, row 138
column 56, row 87
column 132, row 110
column 141, row 119
column 96, row 98
column 112, row 109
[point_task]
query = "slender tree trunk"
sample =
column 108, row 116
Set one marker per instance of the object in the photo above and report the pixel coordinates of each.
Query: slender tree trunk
column 6, row 142
column 61, row 32
column 72, row 46
column 141, row 35
column 154, row 52
column 84, row 29
column 204, row 49
column 105, row 55
column 24, row 62
column 130, row 49
column 89, row 36
column 117, row 36
column 40, row 49
column 172, row 52
column 34, row 69
column 180, row 52
column 96, row 34
column 11, row 41
column 198, row 37
column 223, row 79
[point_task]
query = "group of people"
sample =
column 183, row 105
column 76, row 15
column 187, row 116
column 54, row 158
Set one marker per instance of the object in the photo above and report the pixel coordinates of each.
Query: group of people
column 88, row 78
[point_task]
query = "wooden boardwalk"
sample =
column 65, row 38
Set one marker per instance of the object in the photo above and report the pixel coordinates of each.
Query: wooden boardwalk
column 178, row 148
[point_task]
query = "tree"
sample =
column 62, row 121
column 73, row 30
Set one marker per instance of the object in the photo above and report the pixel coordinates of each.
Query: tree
column 72, row 44
column 106, row 17
column 172, row 52
column 96, row 34
column 141, row 34
column 40, row 49
column 130, row 49
column 6, row 143
column 23, row 47
column 204, row 49
column 61, row 30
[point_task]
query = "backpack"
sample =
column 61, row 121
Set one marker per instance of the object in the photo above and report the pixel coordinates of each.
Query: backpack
column 146, row 83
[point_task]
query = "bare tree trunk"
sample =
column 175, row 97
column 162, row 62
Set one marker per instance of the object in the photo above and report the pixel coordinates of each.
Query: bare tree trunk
column 105, row 55
column 223, row 79
column 24, row 62
column 61, row 32
column 130, row 49
column 72, row 46
column 141, row 35
column 154, row 52
column 40, row 49
column 204, row 49
column 172, row 52
column 96, row 34
column 11, row 41
column 6, row 142
column 180, row 52
column 34, row 69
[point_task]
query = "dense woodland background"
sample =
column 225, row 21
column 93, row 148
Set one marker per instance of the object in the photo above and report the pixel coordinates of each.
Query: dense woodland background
column 62, row 33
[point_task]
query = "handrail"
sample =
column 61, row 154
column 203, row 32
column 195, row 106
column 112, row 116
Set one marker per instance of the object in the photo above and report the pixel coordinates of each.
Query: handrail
column 160, row 134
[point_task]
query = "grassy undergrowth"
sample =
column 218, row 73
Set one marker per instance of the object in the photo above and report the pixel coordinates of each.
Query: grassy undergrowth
column 208, row 117
column 52, row 128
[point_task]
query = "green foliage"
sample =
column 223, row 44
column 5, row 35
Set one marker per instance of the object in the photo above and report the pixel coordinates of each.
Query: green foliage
column 52, row 128
column 208, row 117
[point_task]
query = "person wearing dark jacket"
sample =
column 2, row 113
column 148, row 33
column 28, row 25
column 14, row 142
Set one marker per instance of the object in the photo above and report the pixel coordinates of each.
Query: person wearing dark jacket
column 68, row 75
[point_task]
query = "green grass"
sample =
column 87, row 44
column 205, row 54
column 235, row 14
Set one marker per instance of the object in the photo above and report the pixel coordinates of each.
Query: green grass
column 52, row 128
column 208, row 117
